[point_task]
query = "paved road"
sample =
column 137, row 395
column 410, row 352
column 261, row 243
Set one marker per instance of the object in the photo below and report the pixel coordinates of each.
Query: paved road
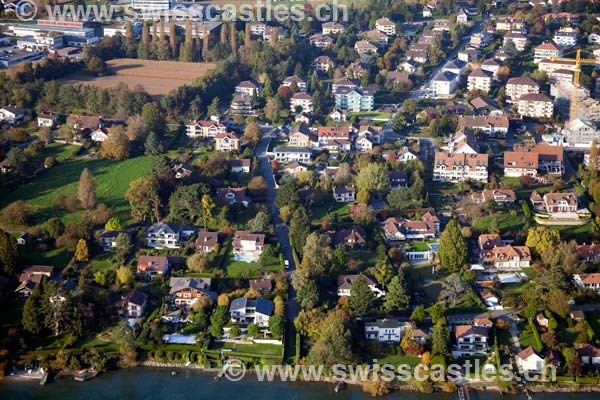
column 292, row 306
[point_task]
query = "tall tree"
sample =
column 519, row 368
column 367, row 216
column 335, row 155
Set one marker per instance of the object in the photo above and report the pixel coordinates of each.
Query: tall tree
column 396, row 298
column 116, row 146
column 247, row 35
column 299, row 229
column 252, row 133
column 153, row 146
column 440, row 339
column 87, row 190
column 143, row 51
column 81, row 251
column 317, row 255
column 129, row 40
column 541, row 237
column 373, row 178
column 223, row 34
column 154, row 34
column 172, row 38
column 58, row 307
column 233, row 39
column 144, row 200
column 154, row 120
column 361, row 297
column 306, row 288
column 33, row 315
column 208, row 205
column 205, row 43
column 452, row 250
column 8, row 254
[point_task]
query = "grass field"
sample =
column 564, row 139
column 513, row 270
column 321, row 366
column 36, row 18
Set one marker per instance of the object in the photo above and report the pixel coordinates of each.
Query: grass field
column 61, row 152
column 58, row 258
column 157, row 77
column 111, row 177
column 342, row 210
column 237, row 269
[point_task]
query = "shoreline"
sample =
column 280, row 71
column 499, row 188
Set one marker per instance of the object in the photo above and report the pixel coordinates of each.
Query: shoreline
column 563, row 387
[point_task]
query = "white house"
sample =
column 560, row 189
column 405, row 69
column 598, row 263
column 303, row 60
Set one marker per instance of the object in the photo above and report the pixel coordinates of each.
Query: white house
column 11, row 115
column 288, row 154
column 384, row 25
column 444, row 83
column 566, row 37
column 135, row 304
column 46, row 120
column 251, row 311
column 345, row 283
column 248, row 246
column 588, row 281
column 529, row 360
column 384, row 330
column 470, row 340
column 163, row 236
column 364, row 143
column 344, row 194
column 406, row 154
column 302, row 100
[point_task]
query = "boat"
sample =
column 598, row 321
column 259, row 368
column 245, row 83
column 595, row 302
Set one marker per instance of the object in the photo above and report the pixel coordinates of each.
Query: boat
column 44, row 379
column 85, row 375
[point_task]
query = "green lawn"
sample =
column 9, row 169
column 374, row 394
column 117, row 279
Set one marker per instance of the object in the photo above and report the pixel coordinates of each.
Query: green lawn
column 57, row 258
column 419, row 246
column 61, row 151
column 102, row 262
column 239, row 269
column 503, row 220
column 111, row 177
column 340, row 209
column 526, row 336
column 252, row 350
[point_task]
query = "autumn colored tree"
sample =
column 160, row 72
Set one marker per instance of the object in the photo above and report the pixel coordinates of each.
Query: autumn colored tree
column 86, row 193
column 116, row 146
column 81, row 252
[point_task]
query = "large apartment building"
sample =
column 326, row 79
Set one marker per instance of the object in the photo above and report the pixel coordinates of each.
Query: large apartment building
column 460, row 167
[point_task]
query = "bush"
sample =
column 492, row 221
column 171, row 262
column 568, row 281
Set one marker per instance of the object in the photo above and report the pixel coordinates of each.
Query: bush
column 235, row 332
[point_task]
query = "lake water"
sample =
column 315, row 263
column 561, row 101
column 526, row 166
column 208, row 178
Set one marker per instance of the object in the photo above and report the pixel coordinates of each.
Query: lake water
column 150, row 383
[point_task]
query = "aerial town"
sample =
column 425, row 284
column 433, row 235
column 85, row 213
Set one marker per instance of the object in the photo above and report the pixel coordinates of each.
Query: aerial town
column 416, row 184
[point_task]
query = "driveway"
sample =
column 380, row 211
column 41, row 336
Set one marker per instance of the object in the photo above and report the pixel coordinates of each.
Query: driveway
column 281, row 229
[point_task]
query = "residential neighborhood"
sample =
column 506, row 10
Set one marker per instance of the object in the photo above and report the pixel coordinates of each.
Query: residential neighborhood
column 415, row 184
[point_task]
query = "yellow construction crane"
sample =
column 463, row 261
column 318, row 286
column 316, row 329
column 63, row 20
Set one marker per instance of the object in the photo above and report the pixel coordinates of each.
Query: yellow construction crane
column 578, row 61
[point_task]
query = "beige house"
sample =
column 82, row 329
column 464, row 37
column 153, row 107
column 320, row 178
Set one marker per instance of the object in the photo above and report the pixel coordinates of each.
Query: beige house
column 479, row 80
column 547, row 50
column 517, row 87
column 536, row 105
column 384, row 25
column 302, row 100
column 518, row 39
column 460, row 167
column 204, row 129
column 227, row 142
